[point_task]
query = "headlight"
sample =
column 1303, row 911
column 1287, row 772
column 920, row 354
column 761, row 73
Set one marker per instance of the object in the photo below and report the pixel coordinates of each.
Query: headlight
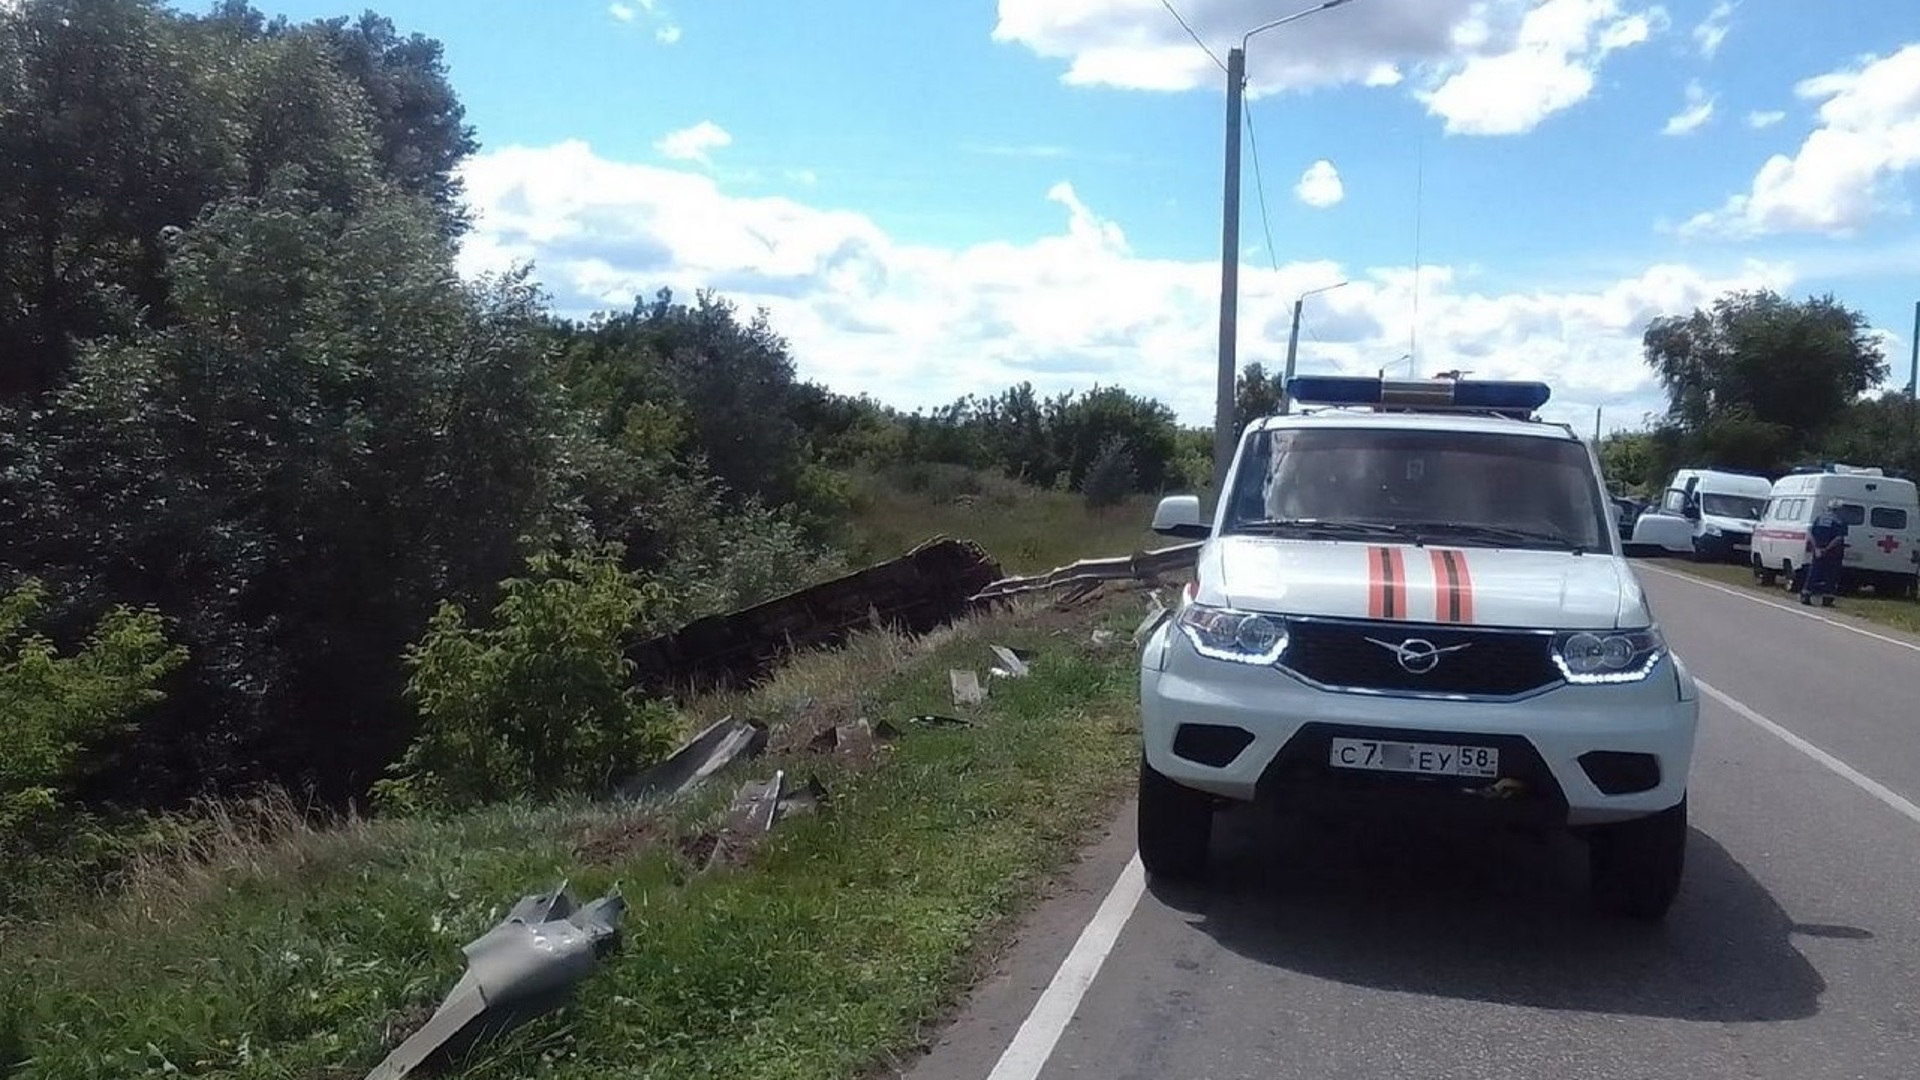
column 1713, row 530
column 1237, row 636
column 1613, row 656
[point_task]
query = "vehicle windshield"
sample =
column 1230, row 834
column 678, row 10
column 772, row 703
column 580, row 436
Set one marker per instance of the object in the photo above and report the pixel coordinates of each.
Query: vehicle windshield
column 1471, row 488
column 1745, row 507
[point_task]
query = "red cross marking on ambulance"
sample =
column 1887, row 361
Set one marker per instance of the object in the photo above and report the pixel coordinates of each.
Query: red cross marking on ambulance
column 1887, row 544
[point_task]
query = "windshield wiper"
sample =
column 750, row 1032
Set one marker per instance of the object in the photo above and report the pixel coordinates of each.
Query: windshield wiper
column 1321, row 526
column 1497, row 533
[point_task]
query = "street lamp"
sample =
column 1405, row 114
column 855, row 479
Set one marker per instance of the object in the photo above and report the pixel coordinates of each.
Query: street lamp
column 1293, row 344
column 1224, row 435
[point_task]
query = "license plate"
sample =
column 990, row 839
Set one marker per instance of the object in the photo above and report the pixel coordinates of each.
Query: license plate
column 1427, row 759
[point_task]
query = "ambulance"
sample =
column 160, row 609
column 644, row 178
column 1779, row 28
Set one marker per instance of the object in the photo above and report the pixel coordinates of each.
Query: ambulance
column 1412, row 604
column 1883, row 529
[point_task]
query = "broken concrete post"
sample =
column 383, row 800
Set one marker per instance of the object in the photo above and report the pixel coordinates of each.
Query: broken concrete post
column 966, row 687
column 528, row 964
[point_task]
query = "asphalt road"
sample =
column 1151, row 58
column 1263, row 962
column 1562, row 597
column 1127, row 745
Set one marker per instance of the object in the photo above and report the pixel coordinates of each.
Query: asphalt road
column 1793, row 952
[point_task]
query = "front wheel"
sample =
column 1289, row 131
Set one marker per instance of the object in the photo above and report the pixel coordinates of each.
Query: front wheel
column 1636, row 865
column 1175, row 826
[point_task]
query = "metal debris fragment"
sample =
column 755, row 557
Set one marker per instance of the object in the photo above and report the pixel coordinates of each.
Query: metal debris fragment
column 937, row 720
column 526, row 965
column 966, row 687
column 1103, row 638
column 1012, row 664
column 719, row 746
column 1156, row 611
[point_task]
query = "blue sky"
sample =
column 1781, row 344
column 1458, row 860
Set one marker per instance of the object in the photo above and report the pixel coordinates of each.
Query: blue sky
column 948, row 196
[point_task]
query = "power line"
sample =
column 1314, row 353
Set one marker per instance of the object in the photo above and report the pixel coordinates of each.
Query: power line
column 1181, row 19
column 1260, row 186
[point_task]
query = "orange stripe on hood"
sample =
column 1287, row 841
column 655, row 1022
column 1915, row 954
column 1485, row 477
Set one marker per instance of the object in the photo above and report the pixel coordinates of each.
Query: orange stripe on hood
column 1453, row 587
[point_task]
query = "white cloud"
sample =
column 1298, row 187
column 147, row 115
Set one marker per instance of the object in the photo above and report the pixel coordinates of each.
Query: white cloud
column 1712, row 30
column 1488, row 67
column 695, row 143
column 665, row 30
column 1698, row 111
column 1847, row 170
column 1549, row 65
column 1759, row 119
column 1320, row 186
column 918, row 325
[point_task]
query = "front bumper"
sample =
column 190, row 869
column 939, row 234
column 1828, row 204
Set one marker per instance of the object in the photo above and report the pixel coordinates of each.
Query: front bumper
column 1196, row 712
column 1727, row 545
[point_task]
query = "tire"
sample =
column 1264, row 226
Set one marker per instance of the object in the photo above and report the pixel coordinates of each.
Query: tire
column 1636, row 866
column 1175, row 826
column 1766, row 578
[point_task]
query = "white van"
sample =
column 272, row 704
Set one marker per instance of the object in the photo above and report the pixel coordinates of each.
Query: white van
column 1706, row 513
column 1883, row 535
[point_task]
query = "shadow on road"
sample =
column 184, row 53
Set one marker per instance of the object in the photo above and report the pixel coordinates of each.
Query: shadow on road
column 1498, row 918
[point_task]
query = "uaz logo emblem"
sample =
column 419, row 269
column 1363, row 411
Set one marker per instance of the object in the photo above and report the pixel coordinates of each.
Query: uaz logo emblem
column 1417, row 656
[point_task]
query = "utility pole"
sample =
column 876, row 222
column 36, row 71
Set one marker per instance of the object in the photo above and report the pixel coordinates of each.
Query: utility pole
column 1913, row 395
column 1293, row 344
column 1596, row 425
column 1225, row 437
column 1224, row 406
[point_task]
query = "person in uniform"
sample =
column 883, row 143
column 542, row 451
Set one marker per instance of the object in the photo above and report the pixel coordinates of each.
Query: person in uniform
column 1826, row 547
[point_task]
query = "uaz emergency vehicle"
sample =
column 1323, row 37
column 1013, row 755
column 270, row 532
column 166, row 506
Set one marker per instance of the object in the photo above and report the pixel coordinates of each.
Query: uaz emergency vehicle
column 1883, row 528
column 1412, row 602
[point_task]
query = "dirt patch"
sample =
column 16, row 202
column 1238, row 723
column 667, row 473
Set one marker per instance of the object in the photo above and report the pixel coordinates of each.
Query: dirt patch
column 619, row 840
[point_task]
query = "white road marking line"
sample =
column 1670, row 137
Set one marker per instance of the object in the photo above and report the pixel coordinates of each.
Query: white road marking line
column 1845, row 771
column 1033, row 1044
column 1788, row 608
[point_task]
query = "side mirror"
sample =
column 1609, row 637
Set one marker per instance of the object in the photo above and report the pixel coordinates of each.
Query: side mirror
column 1641, row 550
column 1179, row 515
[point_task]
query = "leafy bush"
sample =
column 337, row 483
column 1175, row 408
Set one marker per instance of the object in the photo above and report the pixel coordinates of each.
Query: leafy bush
column 53, row 710
column 538, row 703
column 1111, row 476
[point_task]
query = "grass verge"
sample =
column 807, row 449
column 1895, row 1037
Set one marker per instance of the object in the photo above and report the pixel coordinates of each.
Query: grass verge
column 1898, row 614
column 309, row 954
column 1028, row 529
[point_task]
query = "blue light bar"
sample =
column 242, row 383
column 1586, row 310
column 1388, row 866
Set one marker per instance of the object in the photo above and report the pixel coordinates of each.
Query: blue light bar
column 1484, row 395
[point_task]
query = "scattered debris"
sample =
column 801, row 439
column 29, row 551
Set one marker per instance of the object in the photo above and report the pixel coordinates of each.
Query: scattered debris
column 1103, row 638
column 937, row 720
column 927, row 588
column 526, row 965
column 855, row 739
column 1141, row 566
column 1156, row 611
column 757, row 808
column 966, row 687
column 726, row 742
column 1013, row 664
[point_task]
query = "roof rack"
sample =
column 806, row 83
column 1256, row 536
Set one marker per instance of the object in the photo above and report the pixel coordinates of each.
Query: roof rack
column 1515, row 399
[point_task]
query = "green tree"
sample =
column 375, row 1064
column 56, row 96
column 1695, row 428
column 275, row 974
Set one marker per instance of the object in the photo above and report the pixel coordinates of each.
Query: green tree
column 538, row 703
column 55, row 712
column 1771, row 374
column 1111, row 476
column 1256, row 394
column 332, row 435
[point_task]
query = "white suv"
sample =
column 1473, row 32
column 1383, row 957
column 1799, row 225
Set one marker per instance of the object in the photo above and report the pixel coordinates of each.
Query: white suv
column 1414, row 602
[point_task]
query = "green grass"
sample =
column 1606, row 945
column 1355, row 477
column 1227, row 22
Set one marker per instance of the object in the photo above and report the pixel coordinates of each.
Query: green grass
column 1028, row 529
column 1899, row 614
column 307, row 953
